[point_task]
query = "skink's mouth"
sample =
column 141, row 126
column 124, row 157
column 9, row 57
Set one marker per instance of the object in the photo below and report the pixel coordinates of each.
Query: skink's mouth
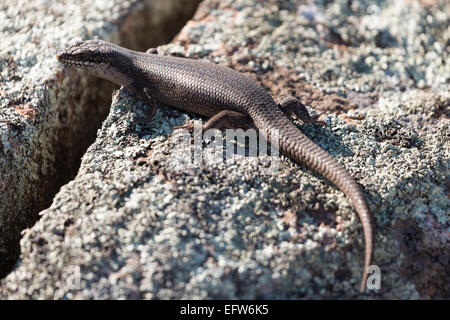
column 67, row 59
column 61, row 57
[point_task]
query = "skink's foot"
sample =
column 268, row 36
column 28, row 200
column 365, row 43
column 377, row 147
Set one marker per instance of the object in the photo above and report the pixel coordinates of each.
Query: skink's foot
column 315, row 120
column 149, row 117
column 189, row 125
column 152, row 51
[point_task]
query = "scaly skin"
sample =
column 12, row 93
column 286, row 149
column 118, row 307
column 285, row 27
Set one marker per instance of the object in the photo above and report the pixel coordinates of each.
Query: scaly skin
column 220, row 93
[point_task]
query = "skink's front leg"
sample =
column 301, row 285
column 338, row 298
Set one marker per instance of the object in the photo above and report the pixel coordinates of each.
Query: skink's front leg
column 144, row 93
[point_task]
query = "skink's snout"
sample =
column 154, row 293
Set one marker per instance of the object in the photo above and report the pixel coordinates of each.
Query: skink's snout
column 60, row 56
column 63, row 57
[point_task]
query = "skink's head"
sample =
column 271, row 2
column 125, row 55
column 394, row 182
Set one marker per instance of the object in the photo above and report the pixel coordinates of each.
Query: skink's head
column 98, row 57
column 87, row 54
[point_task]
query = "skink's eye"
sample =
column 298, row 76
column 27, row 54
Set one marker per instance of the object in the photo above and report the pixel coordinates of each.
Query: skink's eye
column 82, row 57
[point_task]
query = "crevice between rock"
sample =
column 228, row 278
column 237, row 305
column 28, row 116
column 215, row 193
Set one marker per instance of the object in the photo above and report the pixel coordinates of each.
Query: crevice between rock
column 80, row 104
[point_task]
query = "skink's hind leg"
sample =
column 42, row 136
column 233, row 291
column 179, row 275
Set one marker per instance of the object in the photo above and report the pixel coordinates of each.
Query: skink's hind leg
column 223, row 119
column 292, row 106
column 228, row 119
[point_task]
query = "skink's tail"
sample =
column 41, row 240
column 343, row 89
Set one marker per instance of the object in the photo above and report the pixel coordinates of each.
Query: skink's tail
column 300, row 148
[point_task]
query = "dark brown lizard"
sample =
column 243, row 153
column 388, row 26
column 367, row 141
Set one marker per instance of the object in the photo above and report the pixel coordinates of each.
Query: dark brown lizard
column 227, row 97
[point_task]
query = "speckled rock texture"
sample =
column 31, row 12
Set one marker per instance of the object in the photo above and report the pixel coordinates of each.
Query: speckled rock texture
column 133, row 224
column 50, row 115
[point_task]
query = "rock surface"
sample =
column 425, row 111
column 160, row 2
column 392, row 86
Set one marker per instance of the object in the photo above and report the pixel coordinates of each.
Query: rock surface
column 136, row 224
column 50, row 115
